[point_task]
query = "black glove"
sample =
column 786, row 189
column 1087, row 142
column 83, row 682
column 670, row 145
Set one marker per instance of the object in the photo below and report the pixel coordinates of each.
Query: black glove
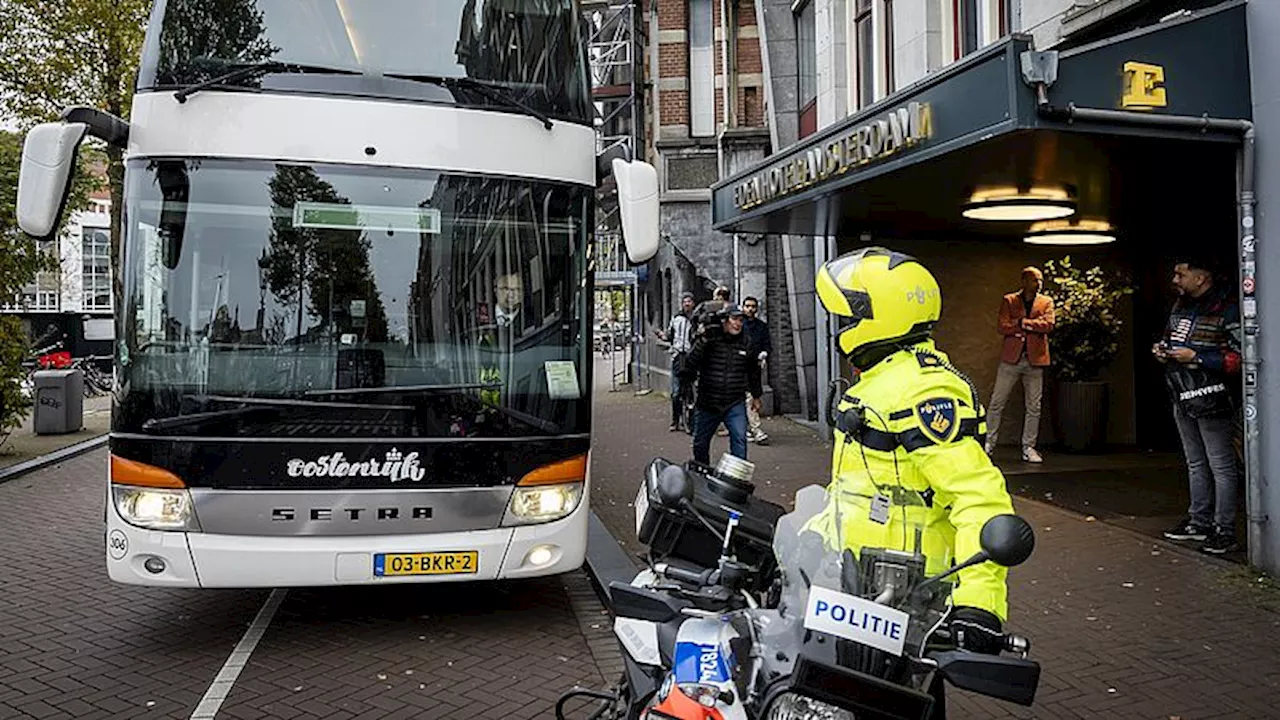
column 977, row 630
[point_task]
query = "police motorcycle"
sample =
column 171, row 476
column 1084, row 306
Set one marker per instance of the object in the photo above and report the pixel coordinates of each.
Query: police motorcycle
column 682, row 622
column 822, row 632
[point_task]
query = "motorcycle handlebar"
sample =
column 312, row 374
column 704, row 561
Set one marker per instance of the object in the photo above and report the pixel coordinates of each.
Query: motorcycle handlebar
column 695, row 577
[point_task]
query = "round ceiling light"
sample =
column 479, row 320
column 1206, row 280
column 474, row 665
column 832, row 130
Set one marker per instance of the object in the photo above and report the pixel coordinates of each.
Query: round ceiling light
column 1011, row 204
column 1061, row 232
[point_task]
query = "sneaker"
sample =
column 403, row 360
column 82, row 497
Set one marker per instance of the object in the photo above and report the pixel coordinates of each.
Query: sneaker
column 1030, row 455
column 674, row 427
column 1220, row 542
column 760, row 438
column 990, row 448
column 723, row 432
column 1187, row 530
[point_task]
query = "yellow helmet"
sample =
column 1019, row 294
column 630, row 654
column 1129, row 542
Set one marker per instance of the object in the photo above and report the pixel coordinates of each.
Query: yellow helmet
column 884, row 299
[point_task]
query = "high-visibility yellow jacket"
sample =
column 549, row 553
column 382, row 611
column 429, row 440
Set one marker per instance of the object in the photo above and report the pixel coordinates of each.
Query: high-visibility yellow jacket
column 921, row 448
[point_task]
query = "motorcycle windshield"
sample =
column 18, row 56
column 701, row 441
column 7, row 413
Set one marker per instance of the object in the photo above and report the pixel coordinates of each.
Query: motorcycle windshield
column 852, row 558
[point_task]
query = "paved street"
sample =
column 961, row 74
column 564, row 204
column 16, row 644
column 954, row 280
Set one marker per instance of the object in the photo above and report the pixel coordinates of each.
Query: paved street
column 1124, row 626
column 73, row 645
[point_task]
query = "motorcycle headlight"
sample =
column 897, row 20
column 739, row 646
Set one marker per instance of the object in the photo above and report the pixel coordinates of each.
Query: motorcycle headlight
column 791, row 706
column 155, row 508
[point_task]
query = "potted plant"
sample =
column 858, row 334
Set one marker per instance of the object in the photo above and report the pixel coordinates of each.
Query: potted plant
column 1086, row 338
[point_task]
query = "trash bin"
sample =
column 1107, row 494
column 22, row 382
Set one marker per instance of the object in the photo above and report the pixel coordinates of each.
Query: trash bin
column 59, row 401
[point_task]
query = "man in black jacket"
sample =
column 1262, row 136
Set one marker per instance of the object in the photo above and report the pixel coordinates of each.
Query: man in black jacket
column 726, row 371
column 757, row 332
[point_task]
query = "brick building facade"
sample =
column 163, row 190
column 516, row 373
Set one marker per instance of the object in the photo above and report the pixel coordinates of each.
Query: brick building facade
column 699, row 51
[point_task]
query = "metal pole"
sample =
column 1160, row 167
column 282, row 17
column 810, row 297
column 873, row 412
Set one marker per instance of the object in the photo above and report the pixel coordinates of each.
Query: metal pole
column 821, row 254
column 1255, row 480
column 1248, row 247
column 797, row 342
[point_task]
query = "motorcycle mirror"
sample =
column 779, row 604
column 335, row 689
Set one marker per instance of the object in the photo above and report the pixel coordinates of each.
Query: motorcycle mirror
column 1007, row 540
column 674, row 486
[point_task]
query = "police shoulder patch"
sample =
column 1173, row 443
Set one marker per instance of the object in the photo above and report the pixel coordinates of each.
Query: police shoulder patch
column 939, row 419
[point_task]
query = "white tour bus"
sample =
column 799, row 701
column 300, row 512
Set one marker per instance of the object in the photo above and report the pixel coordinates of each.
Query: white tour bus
column 354, row 307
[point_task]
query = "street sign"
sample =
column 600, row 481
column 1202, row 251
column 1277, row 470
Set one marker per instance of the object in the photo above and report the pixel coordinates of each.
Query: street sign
column 614, row 278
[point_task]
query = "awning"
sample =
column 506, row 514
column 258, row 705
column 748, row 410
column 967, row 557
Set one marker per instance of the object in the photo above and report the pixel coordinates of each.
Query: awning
column 908, row 163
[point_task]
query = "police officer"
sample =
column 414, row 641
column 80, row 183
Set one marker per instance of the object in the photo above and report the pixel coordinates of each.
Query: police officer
column 913, row 422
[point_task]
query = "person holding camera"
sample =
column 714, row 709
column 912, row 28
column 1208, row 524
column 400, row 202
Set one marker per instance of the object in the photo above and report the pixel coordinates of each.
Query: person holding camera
column 721, row 364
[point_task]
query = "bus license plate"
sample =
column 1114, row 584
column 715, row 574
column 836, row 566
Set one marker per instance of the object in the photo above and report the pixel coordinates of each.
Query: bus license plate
column 465, row 562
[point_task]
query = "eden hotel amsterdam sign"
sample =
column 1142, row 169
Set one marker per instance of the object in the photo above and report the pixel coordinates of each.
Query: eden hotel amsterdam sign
column 875, row 140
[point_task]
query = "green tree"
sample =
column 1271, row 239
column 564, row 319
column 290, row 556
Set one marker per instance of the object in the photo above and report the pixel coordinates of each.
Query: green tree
column 332, row 263
column 202, row 36
column 20, row 260
column 54, row 55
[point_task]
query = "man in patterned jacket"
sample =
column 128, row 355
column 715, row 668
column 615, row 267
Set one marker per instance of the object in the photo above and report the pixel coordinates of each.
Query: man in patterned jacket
column 1201, row 354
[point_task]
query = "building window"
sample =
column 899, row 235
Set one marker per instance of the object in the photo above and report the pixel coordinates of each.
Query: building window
column 965, row 26
column 889, row 85
column 97, row 269
column 42, row 293
column 702, row 69
column 865, row 52
column 807, row 69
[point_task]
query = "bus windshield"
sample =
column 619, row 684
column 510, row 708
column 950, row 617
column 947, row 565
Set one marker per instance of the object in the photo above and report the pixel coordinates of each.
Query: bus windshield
column 530, row 49
column 276, row 299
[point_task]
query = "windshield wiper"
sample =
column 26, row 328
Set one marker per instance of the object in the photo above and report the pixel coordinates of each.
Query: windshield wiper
column 255, row 405
column 289, row 402
column 155, row 424
column 402, row 388
column 496, row 93
column 249, row 71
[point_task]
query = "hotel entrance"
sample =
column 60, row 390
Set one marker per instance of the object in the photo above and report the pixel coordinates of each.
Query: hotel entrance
column 1002, row 162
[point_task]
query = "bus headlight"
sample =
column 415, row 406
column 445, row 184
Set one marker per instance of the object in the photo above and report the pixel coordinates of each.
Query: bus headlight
column 544, row 503
column 155, row 508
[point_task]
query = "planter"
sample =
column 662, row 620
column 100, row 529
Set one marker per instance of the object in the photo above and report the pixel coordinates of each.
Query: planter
column 1081, row 414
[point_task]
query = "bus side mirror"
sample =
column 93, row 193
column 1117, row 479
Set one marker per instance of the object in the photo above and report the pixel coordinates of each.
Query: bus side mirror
column 637, row 207
column 44, row 182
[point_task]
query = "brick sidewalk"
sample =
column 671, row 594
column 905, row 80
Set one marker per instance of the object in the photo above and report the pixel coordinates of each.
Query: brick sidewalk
column 1122, row 625
column 74, row 645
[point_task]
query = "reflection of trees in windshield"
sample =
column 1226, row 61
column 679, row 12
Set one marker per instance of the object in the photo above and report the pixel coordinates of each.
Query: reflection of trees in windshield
column 479, row 284
column 533, row 46
column 330, row 266
column 213, row 30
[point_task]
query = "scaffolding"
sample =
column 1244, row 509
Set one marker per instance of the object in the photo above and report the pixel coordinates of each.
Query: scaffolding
column 615, row 49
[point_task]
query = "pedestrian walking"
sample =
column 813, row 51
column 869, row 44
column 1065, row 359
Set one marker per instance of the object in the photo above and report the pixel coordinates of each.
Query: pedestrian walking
column 680, row 334
column 721, row 364
column 757, row 331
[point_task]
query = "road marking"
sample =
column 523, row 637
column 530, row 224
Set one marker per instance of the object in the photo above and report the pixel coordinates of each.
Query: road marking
column 221, row 687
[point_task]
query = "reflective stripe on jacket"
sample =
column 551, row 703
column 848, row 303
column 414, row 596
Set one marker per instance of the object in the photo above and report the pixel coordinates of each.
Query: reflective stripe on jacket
column 924, row 432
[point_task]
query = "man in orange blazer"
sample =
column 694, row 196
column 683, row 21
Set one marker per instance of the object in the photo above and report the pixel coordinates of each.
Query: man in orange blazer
column 1026, row 319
